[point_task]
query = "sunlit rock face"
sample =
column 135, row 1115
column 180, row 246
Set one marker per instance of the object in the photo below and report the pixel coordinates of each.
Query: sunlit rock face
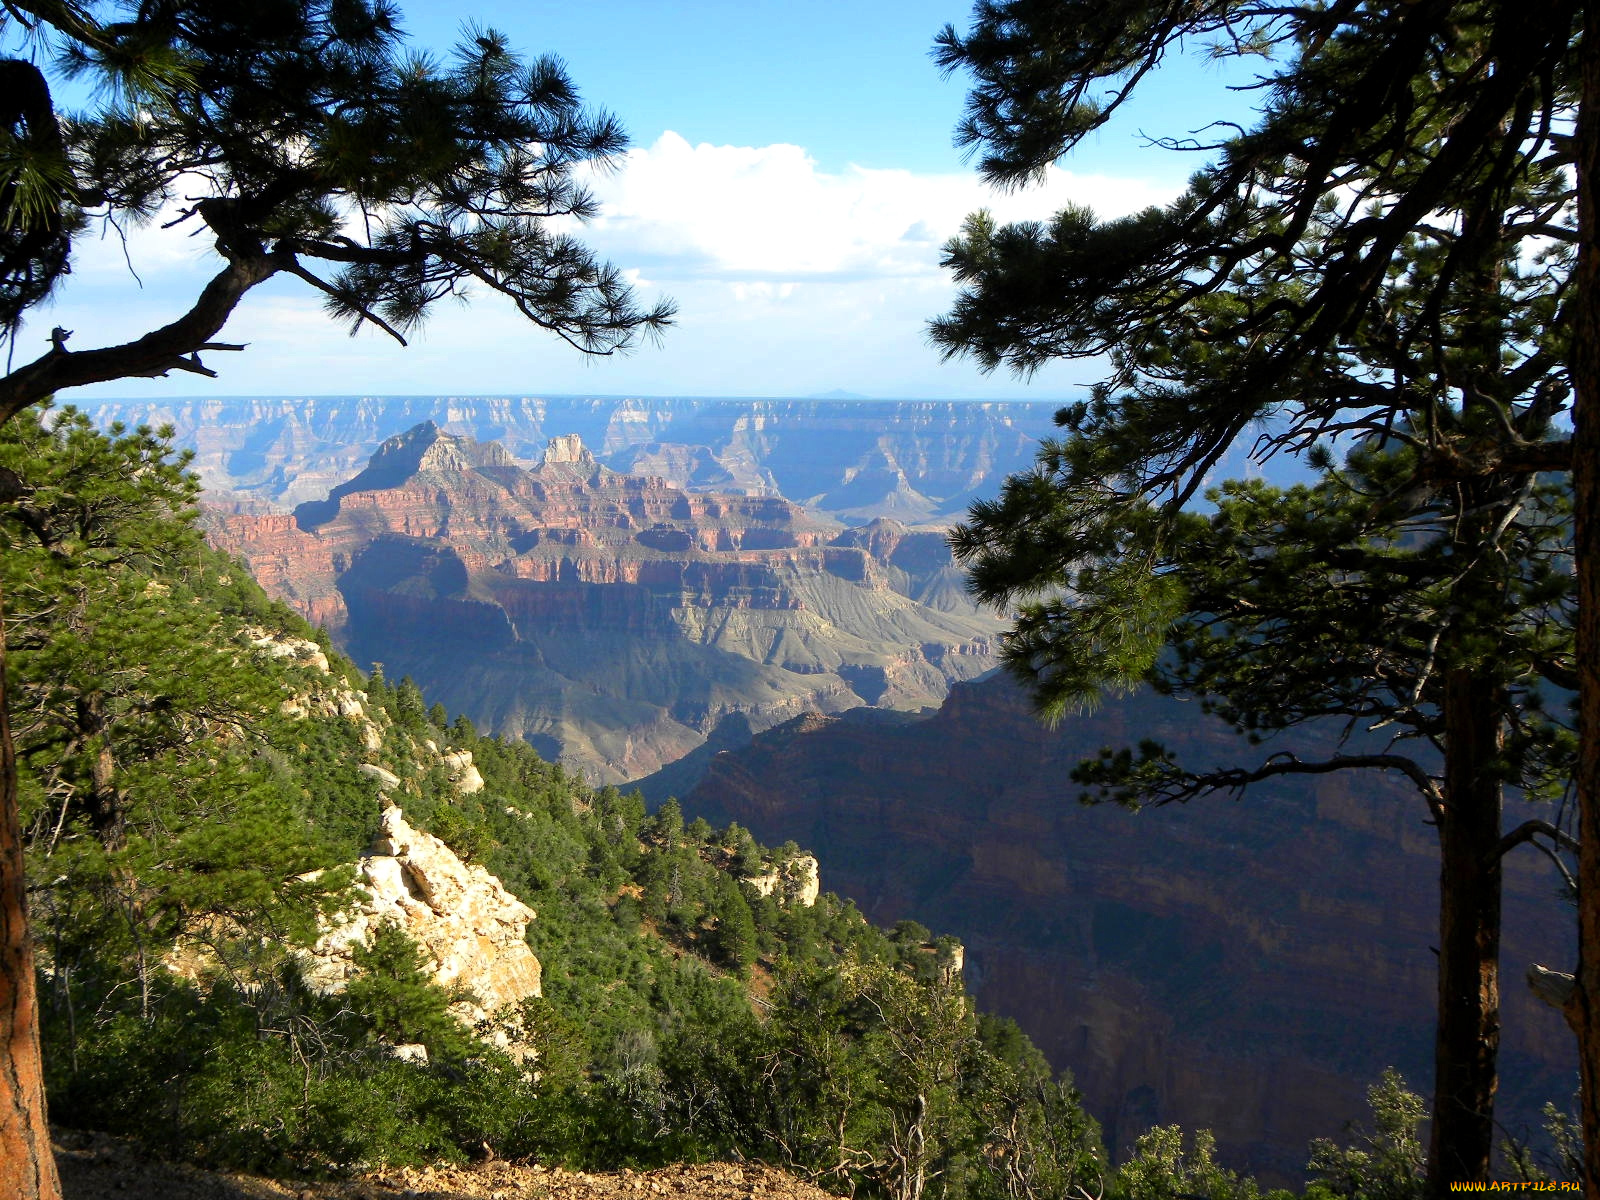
column 470, row 929
column 793, row 882
column 321, row 691
column 1248, row 966
column 463, row 772
column 613, row 620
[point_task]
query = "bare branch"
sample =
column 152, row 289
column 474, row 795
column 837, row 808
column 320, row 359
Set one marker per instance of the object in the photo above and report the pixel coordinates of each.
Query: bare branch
column 1531, row 829
column 367, row 314
column 155, row 353
column 1236, row 779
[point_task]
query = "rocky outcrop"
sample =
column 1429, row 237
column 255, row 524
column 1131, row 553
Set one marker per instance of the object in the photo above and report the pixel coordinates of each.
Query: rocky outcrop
column 610, row 619
column 470, row 929
column 1248, row 966
column 794, row 881
column 463, row 773
column 568, row 448
column 386, row 780
column 321, row 691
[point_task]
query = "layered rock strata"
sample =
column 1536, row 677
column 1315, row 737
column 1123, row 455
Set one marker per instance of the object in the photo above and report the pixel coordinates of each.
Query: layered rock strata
column 915, row 460
column 610, row 619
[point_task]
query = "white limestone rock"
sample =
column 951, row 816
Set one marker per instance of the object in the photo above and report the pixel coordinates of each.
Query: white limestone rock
column 470, row 929
column 463, row 773
column 794, row 882
column 386, row 779
column 335, row 699
column 304, row 651
column 567, row 448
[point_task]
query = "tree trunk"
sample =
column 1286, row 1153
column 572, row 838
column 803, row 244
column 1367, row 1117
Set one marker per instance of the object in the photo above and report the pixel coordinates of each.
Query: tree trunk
column 1468, row 1037
column 27, row 1167
column 106, row 816
column 1583, row 1010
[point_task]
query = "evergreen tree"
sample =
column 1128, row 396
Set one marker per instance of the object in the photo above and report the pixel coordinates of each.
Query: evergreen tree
column 409, row 710
column 281, row 120
column 667, row 828
column 741, row 845
column 118, row 658
column 1034, row 1138
column 1333, row 607
column 1389, row 1163
column 398, row 1000
column 1385, row 258
column 274, row 124
column 736, row 927
column 1163, row 1168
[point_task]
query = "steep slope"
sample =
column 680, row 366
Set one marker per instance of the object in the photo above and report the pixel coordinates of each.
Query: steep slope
column 1248, row 966
column 612, row 620
column 916, row 461
column 218, row 982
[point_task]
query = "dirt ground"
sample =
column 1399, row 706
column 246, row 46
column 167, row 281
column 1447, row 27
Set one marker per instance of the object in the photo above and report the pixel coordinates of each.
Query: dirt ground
column 95, row 1167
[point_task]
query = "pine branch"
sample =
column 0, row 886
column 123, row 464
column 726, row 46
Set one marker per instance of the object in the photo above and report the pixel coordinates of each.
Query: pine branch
column 172, row 347
column 1154, row 780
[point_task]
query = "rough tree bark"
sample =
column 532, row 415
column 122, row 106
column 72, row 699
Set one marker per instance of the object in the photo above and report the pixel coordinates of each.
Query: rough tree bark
column 1468, row 1034
column 27, row 1166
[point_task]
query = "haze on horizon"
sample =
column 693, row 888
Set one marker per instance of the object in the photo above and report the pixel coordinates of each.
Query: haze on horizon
column 791, row 183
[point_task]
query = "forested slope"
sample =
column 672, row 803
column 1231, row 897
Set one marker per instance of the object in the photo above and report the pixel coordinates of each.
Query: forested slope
column 200, row 774
column 1246, row 964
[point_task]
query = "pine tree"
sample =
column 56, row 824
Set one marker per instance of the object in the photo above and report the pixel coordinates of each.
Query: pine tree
column 666, row 827
column 153, row 815
column 305, row 140
column 397, row 998
column 1385, row 260
column 918, row 1039
column 736, row 926
column 117, row 656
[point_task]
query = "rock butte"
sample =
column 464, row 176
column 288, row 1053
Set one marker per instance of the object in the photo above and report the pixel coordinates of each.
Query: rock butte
column 611, row 619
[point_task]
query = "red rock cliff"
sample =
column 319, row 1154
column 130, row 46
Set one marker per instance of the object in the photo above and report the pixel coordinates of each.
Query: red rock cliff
column 525, row 598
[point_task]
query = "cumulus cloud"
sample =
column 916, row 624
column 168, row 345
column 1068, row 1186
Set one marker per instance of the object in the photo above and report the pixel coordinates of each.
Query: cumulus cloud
column 790, row 279
column 767, row 213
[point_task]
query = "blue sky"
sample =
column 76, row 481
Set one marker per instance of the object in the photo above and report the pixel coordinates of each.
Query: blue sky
column 791, row 182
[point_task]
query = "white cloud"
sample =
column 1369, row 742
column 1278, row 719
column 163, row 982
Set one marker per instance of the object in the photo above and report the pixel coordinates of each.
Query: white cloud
column 789, row 280
column 741, row 213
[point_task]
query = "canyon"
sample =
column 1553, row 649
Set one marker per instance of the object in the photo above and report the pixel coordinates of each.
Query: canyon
column 646, row 602
column 1248, row 965
column 917, row 461
column 612, row 620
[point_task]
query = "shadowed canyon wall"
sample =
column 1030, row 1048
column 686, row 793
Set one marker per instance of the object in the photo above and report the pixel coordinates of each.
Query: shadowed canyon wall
column 1245, row 965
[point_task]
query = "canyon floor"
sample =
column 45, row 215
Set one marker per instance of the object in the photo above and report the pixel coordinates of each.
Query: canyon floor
column 95, row 1167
